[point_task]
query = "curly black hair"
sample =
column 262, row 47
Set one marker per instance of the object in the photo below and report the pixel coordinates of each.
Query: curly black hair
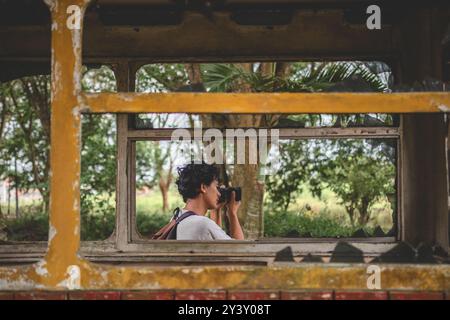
column 191, row 177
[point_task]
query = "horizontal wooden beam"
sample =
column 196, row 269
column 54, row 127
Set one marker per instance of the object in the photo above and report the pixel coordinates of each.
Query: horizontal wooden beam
column 284, row 133
column 288, row 103
column 319, row 34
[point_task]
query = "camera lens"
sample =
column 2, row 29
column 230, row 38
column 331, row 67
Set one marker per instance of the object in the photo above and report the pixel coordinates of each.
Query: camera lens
column 225, row 194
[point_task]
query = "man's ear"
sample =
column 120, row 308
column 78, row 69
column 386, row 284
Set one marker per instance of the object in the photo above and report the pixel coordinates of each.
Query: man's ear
column 202, row 188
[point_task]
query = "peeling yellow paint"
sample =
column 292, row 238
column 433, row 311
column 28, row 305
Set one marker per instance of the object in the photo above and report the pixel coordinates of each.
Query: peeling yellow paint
column 444, row 108
column 51, row 4
column 51, row 233
column 73, row 279
column 40, row 268
column 310, row 276
column 268, row 102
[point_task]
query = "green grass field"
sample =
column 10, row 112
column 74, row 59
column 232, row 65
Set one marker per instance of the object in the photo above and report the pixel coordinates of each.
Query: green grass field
column 328, row 206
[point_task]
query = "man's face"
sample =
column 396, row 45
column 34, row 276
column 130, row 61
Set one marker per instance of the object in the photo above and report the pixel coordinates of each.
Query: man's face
column 212, row 195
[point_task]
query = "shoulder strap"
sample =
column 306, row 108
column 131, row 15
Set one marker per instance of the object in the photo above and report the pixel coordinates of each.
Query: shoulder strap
column 162, row 233
column 173, row 233
column 176, row 213
column 185, row 215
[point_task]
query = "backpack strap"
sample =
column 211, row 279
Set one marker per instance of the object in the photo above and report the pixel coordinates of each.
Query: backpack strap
column 173, row 233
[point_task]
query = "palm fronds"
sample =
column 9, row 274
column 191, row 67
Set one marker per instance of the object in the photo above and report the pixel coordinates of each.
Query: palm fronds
column 220, row 77
column 315, row 78
column 329, row 74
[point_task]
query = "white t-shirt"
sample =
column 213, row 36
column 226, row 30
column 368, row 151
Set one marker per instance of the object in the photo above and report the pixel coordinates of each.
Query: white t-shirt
column 197, row 227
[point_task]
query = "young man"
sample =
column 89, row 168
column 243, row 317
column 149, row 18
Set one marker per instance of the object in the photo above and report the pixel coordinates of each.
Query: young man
column 199, row 186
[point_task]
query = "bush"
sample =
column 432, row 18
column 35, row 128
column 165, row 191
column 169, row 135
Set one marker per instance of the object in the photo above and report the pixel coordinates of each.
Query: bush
column 97, row 227
column 149, row 214
column 35, row 227
column 98, row 217
column 293, row 224
column 149, row 224
column 29, row 227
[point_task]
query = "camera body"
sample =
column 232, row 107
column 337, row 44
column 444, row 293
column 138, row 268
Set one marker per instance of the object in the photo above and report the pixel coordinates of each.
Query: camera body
column 225, row 194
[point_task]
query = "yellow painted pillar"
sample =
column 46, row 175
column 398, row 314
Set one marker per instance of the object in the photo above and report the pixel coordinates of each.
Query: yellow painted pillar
column 64, row 238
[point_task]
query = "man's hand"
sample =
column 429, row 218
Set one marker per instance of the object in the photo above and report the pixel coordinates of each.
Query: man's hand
column 233, row 205
column 235, row 226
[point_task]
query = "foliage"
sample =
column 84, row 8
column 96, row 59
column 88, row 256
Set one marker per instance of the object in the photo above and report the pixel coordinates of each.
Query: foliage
column 293, row 224
column 155, row 161
column 358, row 171
column 98, row 162
column 302, row 162
column 98, row 166
column 294, row 170
column 304, row 77
column 326, row 76
column 99, row 223
column 24, row 147
column 161, row 78
column 28, row 227
column 358, row 174
column 149, row 224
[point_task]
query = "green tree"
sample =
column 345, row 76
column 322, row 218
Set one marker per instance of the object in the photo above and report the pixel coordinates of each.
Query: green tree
column 155, row 161
column 360, row 173
column 25, row 147
column 98, row 161
column 272, row 77
column 26, row 144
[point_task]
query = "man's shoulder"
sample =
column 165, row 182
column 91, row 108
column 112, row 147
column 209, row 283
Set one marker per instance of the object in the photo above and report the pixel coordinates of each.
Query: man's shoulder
column 197, row 219
column 196, row 224
column 200, row 228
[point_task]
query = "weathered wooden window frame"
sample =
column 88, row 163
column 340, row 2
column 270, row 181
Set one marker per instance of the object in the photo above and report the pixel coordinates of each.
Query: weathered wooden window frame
column 129, row 238
column 126, row 245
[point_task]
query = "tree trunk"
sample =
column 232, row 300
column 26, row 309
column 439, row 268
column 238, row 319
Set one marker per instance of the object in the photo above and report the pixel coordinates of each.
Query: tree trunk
column 364, row 215
column 165, row 194
column 1, row 211
column 164, row 185
column 9, row 199
column 17, row 204
column 351, row 214
column 251, row 210
column 17, row 189
column 46, row 203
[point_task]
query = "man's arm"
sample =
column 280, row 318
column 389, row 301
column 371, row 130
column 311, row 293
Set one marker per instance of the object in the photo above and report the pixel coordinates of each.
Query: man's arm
column 235, row 225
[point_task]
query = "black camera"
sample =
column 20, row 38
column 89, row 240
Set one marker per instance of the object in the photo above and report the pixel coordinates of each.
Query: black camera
column 225, row 194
